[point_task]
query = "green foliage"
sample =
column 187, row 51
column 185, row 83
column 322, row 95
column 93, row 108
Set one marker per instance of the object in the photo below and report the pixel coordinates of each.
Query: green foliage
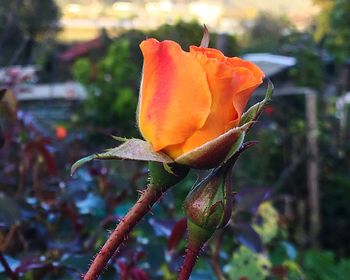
column 186, row 34
column 321, row 265
column 82, row 70
column 332, row 27
column 335, row 201
column 338, row 37
column 111, row 85
column 249, row 265
column 276, row 27
column 310, row 68
column 23, row 23
column 268, row 227
column 322, row 20
column 294, row 271
column 190, row 33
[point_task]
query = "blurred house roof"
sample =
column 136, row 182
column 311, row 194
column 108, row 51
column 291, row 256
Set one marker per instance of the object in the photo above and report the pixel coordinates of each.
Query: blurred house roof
column 271, row 64
column 67, row 90
column 80, row 49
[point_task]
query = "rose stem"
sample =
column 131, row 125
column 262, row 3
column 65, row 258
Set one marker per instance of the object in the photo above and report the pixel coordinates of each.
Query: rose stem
column 192, row 253
column 150, row 196
column 12, row 275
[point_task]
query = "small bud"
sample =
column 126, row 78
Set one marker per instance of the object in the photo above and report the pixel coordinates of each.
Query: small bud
column 208, row 207
column 165, row 176
column 209, row 204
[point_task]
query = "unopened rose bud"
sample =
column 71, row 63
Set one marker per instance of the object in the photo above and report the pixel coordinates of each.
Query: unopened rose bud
column 208, row 207
column 207, row 204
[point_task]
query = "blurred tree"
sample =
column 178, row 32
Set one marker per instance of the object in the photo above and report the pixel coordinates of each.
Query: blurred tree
column 190, row 33
column 310, row 70
column 322, row 25
column 185, row 33
column 266, row 33
column 134, row 37
column 333, row 27
column 338, row 40
column 23, row 23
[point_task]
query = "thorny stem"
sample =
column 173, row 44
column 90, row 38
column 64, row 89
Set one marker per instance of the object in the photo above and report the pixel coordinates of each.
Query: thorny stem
column 149, row 197
column 12, row 275
column 8, row 238
column 189, row 262
column 214, row 258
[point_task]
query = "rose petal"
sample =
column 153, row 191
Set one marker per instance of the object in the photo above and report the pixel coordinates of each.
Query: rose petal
column 175, row 99
column 226, row 82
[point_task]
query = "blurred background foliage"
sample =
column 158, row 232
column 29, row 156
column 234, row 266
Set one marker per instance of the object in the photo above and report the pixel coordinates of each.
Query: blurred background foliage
column 111, row 83
column 52, row 224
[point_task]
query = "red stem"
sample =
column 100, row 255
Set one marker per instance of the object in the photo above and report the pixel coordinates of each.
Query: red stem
column 12, row 275
column 150, row 196
column 189, row 262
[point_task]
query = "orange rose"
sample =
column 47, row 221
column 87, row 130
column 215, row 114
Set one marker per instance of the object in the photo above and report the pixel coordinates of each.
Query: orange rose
column 188, row 99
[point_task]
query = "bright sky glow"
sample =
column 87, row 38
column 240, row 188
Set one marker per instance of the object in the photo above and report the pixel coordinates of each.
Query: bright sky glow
column 83, row 19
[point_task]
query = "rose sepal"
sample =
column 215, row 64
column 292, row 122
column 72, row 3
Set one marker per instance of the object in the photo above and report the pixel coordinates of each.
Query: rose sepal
column 253, row 113
column 209, row 155
column 164, row 176
column 131, row 149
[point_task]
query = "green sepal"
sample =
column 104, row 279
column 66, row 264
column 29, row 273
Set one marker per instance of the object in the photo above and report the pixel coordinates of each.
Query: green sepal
column 119, row 138
column 253, row 112
column 198, row 235
column 131, row 149
column 213, row 153
column 81, row 162
column 235, row 146
column 168, row 168
column 160, row 176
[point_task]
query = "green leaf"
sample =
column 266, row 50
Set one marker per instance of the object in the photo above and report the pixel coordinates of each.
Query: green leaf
column 80, row 162
column 253, row 112
column 132, row 149
column 247, row 264
column 168, row 169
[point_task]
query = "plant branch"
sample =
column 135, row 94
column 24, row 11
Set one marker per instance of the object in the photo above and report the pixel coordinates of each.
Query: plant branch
column 149, row 197
column 214, row 258
column 12, row 275
column 189, row 262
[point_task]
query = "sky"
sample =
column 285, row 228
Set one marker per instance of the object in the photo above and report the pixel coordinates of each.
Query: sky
column 82, row 19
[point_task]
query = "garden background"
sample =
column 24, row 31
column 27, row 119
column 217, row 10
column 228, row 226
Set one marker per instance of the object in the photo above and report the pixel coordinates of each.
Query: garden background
column 69, row 79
